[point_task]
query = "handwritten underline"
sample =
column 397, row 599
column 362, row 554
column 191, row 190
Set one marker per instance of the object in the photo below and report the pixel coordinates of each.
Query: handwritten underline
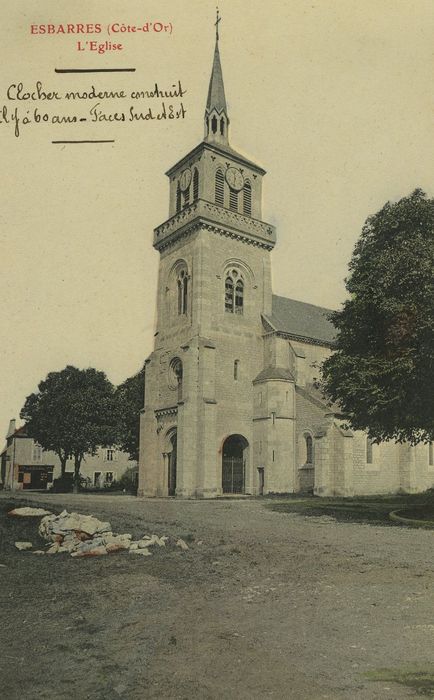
column 94, row 70
column 88, row 141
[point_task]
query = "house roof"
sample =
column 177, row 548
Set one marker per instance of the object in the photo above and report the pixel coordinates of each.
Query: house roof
column 301, row 320
column 20, row 432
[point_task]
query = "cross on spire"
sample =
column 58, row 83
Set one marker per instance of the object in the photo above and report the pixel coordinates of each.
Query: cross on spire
column 218, row 20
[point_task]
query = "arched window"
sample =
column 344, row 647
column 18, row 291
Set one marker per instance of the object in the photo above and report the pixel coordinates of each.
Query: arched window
column 239, row 297
column 233, row 200
column 178, row 198
column 236, row 368
column 309, row 449
column 219, row 188
column 369, row 450
column 247, row 199
column 195, row 184
column 229, row 295
column 214, row 125
column 175, row 376
column 182, row 282
column 222, row 126
column 234, row 293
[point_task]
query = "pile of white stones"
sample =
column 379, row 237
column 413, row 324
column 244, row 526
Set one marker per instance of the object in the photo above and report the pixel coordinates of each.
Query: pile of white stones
column 86, row 536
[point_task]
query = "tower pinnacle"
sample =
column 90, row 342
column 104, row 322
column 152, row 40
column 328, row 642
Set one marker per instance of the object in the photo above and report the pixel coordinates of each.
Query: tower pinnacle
column 216, row 114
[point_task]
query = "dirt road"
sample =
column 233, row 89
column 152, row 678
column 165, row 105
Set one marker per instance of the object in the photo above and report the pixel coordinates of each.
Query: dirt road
column 269, row 605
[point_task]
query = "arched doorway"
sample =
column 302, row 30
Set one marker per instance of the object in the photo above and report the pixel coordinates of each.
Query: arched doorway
column 234, row 454
column 171, row 462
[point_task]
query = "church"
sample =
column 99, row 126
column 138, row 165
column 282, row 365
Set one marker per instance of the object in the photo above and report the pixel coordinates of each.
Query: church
column 231, row 405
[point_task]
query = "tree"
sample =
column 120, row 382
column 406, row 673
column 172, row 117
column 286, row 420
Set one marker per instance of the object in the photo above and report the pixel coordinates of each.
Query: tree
column 73, row 413
column 382, row 373
column 130, row 396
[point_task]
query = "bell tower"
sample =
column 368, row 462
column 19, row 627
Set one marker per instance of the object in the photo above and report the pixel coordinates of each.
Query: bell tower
column 214, row 284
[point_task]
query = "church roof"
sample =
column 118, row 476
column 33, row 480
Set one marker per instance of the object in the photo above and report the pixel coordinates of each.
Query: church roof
column 216, row 91
column 274, row 373
column 301, row 320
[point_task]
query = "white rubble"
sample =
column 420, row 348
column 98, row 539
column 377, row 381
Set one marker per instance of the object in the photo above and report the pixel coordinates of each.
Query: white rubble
column 52, row 525
column 143, row 552
column 29, row 512
column 85, row 536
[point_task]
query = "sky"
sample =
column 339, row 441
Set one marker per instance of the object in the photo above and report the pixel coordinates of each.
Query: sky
column 333, row 98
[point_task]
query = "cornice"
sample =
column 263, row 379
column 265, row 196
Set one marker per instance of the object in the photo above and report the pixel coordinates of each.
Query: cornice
column 219, row 220
column 168, row 411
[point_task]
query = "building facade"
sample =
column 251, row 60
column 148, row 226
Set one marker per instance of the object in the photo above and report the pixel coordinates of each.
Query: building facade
column 26, row 465
column 230, row 400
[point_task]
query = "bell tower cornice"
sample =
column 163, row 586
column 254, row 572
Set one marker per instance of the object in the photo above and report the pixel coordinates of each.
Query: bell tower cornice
column 208, row 216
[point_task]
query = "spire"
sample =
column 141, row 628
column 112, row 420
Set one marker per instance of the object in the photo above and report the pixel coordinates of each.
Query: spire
column 216, row 114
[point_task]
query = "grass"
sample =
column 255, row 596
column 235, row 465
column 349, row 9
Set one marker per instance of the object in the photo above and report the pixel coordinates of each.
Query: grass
column 371, row 510
column 421, row 680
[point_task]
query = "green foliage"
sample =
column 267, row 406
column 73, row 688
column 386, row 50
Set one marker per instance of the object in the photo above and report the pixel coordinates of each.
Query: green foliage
column 127, row 482
column 130, row 397
column 73, row 413
column 383, row 369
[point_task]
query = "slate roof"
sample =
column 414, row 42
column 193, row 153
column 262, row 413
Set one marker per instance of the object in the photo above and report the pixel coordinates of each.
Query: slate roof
column 274, row 373
column 216, row 91
column 301, row 320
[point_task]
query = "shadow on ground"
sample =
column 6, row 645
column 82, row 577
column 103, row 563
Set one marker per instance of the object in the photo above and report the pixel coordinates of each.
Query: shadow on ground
column 371, row 510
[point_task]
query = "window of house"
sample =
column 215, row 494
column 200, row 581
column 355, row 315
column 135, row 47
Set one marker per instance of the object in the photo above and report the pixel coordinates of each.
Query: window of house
column 110, row 455
column 96, row 478
column 247, row 199
column 37, row 453
column 219, row 188
column 369, row 450
column 309, row 449
column 109, row 477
